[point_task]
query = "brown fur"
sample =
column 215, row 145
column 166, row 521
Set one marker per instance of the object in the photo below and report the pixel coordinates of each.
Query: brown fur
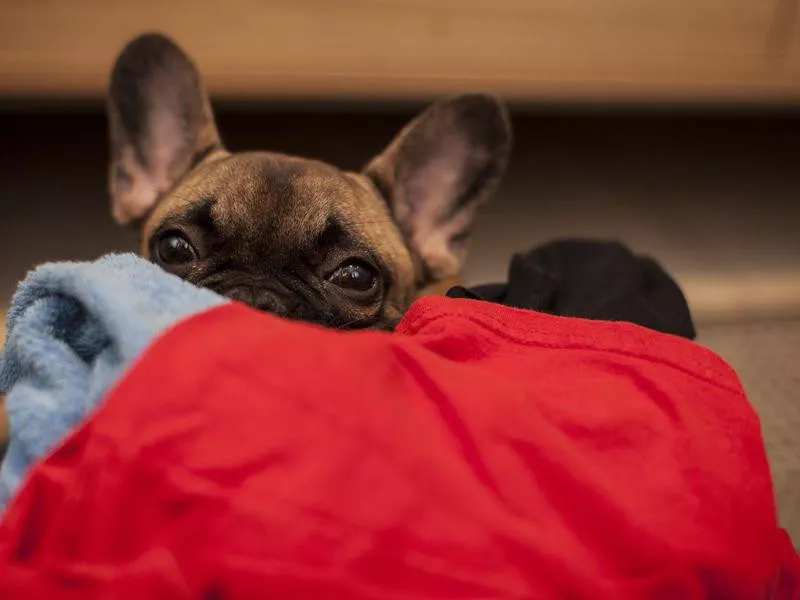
column 270, row 228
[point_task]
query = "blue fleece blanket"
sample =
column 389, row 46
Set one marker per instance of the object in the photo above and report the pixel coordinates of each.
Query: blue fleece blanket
column 73, row 329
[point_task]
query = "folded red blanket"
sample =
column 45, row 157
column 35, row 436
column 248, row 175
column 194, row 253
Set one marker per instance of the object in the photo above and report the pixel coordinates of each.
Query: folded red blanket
column 478, row 452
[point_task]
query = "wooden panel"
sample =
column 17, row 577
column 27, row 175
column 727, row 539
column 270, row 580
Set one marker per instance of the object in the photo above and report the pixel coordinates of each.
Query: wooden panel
column 792, row 43
column 523, row 49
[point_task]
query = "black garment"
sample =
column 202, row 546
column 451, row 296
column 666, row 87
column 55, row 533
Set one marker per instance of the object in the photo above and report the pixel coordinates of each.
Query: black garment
column 591, row 280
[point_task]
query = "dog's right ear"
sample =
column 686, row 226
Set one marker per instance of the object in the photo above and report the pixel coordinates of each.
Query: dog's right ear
column 160, row 123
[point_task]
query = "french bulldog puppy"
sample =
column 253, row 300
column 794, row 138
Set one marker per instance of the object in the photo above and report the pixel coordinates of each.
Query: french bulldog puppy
column 290, row 235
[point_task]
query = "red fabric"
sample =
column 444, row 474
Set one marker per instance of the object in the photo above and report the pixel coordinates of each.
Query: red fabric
column 479, row 452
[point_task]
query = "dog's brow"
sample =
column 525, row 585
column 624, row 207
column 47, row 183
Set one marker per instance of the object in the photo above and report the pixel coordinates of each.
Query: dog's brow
column 332, row 235
column 335, row 235
column 200, row 214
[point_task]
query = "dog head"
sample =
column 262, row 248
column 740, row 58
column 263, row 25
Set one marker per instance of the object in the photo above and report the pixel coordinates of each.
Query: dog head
column 295, row 236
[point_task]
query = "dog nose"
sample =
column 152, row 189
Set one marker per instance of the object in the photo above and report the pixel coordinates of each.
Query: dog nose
column 263, row 299
column 269, row 302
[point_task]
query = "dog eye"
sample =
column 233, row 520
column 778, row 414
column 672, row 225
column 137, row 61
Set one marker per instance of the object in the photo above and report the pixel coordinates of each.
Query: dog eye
column 355, row 275
column 174, row 249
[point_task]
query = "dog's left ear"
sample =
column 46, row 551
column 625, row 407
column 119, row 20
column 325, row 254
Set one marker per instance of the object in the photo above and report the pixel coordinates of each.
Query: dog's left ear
column 160, row 123
column 438, row 171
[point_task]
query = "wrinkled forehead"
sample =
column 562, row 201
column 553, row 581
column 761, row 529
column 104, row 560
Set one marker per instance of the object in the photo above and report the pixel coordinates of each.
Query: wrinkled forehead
column 272, row 194
column 279, row 201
